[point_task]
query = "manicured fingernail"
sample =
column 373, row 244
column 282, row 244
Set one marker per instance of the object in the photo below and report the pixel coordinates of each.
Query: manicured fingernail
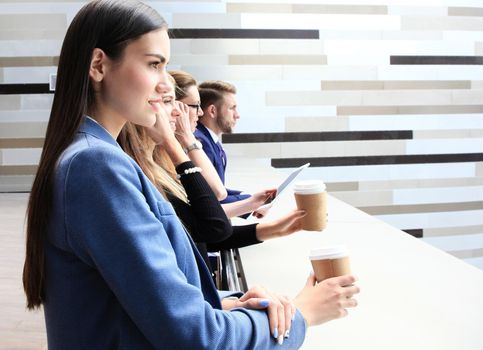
column 280, row 340
column 264, row 302
column 287, row 333
column 293, row 316
column 275, row 333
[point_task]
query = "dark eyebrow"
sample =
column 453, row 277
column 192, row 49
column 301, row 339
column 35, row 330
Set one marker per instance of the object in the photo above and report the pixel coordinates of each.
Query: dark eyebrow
column 160, row 57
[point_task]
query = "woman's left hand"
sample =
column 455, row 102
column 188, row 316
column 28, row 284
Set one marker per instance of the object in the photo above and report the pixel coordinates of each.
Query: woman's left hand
column 280, row 309
column 283, row 226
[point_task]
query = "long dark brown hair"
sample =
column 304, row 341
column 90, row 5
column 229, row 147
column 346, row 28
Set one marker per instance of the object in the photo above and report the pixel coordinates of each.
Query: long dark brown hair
column 109, row 25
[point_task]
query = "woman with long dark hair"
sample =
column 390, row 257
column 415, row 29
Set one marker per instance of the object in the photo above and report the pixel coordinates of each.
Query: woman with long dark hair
column 106, row 256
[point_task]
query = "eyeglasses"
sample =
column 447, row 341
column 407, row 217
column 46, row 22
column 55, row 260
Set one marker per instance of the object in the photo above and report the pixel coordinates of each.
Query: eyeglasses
column 197, row 106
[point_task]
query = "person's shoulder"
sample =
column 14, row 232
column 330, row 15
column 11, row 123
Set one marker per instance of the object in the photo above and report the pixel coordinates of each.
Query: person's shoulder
column 92, row 159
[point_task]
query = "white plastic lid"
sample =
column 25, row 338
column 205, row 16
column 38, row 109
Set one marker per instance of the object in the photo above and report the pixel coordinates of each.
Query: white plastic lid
column 309, row 187
column 329, row 252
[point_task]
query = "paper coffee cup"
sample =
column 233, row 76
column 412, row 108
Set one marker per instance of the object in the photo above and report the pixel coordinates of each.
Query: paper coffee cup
column 330, row 261
column 312, row 197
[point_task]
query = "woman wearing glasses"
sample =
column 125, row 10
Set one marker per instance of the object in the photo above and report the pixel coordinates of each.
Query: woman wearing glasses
column 187, row 92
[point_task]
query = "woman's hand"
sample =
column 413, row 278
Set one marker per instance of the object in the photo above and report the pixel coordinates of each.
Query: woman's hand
column 327, row 300
column 183, row 131
column 284, row 226
column 258, row 199
column 161, row 131
column 280, row 309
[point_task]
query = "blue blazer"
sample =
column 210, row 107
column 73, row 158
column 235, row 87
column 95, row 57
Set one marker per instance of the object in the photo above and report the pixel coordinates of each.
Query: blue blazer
column 121, row 272
column 211, row 150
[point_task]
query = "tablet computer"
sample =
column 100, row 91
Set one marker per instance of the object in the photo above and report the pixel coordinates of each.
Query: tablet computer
column 268, row 203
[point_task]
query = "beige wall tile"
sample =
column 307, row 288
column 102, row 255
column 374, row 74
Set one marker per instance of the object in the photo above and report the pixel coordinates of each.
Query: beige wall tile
column 450, row 231
column 465, row 11
column 427, row 84
column 395, row 85
column 33, row 34
column 367, row 110
column 479, row 169
column 441, row 23
column 258, row 8
column 422, row 208
column 18, row 170
column 479, row 48
column 40, row 101
column 448, row 109
column 388, row 110
column 41, row 61
column 352, row 85
column 9, row 102
column 18, row 183
column 53, row 21
column 22, row 143
column 22, row 130
column 278, row 59
column 477, row 84
column 340, row 9
column 465, row 254
column 342, row 186
column 316, row 123
column 447, row 134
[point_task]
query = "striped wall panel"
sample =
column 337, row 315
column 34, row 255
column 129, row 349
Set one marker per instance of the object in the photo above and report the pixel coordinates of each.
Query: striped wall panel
column 384, row 98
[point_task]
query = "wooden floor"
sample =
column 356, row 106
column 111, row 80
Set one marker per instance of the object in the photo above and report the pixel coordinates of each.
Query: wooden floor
column 19, row 329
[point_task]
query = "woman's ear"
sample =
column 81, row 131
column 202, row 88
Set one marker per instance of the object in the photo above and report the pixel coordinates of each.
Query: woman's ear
column 98, row 65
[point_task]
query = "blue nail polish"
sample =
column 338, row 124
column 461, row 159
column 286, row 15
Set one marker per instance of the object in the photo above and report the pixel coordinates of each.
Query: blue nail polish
column 275, row 333
column 280, row 340
column 287, row 333
column 264, row 303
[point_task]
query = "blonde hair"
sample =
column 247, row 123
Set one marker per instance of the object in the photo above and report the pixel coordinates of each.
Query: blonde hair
column 153, row 160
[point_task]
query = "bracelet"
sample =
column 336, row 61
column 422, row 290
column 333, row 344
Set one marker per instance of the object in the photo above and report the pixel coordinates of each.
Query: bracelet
column 194, row 145
column 189, row 171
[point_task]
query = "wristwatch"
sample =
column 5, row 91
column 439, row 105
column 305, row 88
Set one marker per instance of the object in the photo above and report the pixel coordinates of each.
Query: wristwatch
column 195, row 145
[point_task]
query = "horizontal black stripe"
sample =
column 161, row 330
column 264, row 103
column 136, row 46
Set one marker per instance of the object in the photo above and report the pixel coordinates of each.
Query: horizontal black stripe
column 418, row 233
column 466, row 60
column 317, row 136
column 377, row 160
column 191, row 33
column 17, row 89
